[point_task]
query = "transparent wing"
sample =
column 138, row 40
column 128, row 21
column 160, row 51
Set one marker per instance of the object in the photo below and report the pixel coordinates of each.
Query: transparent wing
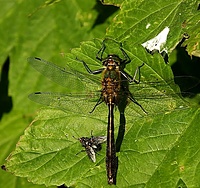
column 185, row 83
column 160, row 96
column 154, row 97
column 73, row 103
column 66, row 77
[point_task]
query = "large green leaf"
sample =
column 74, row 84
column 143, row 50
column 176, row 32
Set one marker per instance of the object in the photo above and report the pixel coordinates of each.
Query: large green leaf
column 156, row 151
column 45, row 143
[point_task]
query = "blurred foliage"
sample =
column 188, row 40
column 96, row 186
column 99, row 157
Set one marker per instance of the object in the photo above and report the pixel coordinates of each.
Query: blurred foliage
column 160, row 151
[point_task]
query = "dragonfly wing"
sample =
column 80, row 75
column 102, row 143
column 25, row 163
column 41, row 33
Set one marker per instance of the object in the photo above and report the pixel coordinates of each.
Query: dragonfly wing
column 67, row 77
column 73, row 103
column 156, row 97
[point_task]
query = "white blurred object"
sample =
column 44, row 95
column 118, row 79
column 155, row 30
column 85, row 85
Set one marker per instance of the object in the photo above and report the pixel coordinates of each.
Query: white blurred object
column 158, row 42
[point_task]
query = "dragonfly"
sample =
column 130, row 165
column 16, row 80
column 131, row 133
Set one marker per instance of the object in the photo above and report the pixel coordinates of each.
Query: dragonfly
column 111, row 91
column 118, row 88
column 92, row 145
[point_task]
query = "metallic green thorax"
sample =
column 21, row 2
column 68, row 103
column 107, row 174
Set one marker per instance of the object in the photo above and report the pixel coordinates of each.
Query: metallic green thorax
column 111, row 81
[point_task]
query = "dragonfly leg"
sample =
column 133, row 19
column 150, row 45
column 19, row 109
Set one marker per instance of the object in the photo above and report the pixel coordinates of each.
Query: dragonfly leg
column 99, row 55
column 98, row 103
column 130, row 78
column 133, row 100
column 137, row 71
column 127, row 58
column 126, row 61
column 88, row 69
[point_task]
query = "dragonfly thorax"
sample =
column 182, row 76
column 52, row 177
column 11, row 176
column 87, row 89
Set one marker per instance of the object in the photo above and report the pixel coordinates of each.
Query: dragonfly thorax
column 111, row 86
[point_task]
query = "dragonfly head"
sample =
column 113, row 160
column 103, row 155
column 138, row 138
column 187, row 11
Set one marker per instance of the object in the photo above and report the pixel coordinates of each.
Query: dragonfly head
column 112, row 60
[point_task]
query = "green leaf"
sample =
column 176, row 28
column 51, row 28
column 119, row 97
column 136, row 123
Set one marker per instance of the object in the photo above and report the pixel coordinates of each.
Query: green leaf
column 49, row 151
column 154, row 151
column 192, row 34
column 139, row 21
column 113, row 2
column 161, row 151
